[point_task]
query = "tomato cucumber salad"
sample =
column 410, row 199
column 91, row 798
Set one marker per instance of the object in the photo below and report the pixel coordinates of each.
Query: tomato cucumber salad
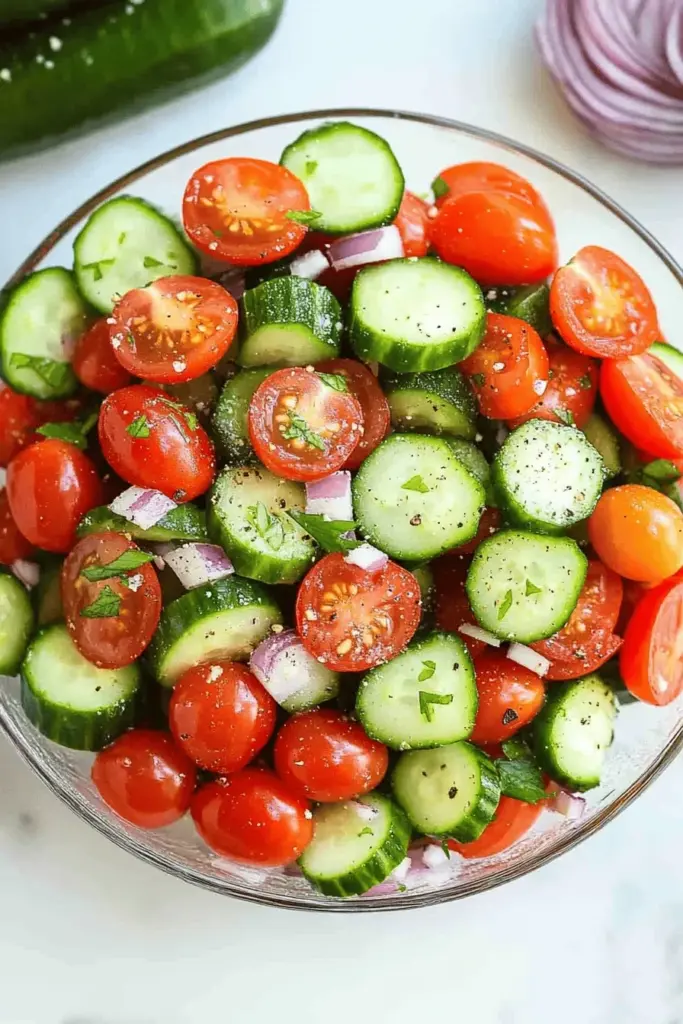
column 341, row 518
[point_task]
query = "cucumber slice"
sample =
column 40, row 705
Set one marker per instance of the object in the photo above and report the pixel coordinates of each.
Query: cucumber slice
column 16, row 623
column 289, row 321
column 414, row 499
column 531, row 303
column 186, row 522
column 224, row 620
column 353, row 848
column 670, row 356
column 425, row 580
column 47, row 596
column 524, row 587
column 452, row 791
column 605, row 440
column 547, row 476
column 230, row 426
column 574, row 729
column 415, row 314
column 125, row 244
column 475, row 462
column 425, row 697
column 440, row 402
column 352, row 177
column 247, row 516
column 41, row 316
column 70, row 700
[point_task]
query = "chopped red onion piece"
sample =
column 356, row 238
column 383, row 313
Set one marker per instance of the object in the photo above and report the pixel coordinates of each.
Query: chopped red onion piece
column 434, row 857
column 292, row 676
column 477, row 633
column 366, row 247
column 142, row 506
column 311, row 265
column 26, row 572
column 528, row 658
column 197, row 564
column 365, row 556
column 331, row 496
column 364, row 811
column 568, row 804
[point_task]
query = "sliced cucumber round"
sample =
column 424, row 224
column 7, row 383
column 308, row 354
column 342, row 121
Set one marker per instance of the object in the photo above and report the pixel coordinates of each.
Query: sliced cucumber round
column 224, row 620
column 415, row 314
column 70, row 700
column 475, row 461
column 355, row 845
column 440, row 402
column 289, row 321
column 531, row 303
column 605, row 440
column 16, row 623
column 230, row 418
column 247, row 516
column 449, row 792
column 425, row 697
column 186, row 522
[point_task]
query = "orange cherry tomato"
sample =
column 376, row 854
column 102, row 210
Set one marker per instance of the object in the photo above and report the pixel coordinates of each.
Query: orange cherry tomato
column 651, row 659
column 412, row 222
column 512, row 820
column 644, row 400
column 572, row 388
column 95, row 363
column 510, row 696
column 638, row 533
column 509, row 368
column 13, row 544
column 375, row 408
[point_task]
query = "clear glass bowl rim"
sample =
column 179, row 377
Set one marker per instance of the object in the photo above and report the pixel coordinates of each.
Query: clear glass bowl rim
column 224, row 886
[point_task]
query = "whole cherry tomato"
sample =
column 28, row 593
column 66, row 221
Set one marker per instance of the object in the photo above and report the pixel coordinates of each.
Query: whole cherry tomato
column 509, row 370
column 572, row 388
column 510, row 697
column 13, row 544
column 94, row 361
column 638, row 533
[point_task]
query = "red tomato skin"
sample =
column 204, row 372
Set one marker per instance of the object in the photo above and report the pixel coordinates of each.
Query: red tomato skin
column 480, row 175
column 21, row 415
column 645, row 402
column 375, row 408
column 252, row 817
column 452, row 605
column 490, row 522
column 412, row 222
column 651, row 658
column 512, row 820
column 504, row 688
column 509, row 368
column 500, row 239
column 178, row 460
column 596, row 656
column 13, row 544
column 50, row 487
column 221, row 716
column 572, row 387
column 95, row 363
column 590, row 626
column 145, row 779
column 324, row 756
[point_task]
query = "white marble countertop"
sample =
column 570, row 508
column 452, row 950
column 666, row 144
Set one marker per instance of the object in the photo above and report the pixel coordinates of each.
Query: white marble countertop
column 90, row 936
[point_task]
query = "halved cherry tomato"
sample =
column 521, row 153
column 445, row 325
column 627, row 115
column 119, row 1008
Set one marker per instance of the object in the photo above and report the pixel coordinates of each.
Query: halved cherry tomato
column 413, row 225
column 21, row 415
column 590, row 625
column 644, row 400
column 500, row 238
column 509, row 368
column 512, row 820
column 376, row 413
column 651, row 659
column 110, row 620
column 600, row 306
column 173, row 330
column 489, row 523
column 151, row 440
column 601, row 650
column 324, row 756
column 236, row 210
column 144, row 778
column 221, row 715
column 510, row 696
column 50, row 487
column 638, row 532
column 572, row 388
column 352, row 619
column 633, row 592
column 95, row 363
column 13, row 544
column 301, row 427
column 452, row 605
column 253, row 817
column 481, row 176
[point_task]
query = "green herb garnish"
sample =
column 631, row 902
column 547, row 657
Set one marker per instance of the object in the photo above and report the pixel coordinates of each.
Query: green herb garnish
column 416, row 483
column 139, row 427
column 299, row 428
column 478, row 379
column 96, row 268
column 268, row 526
column 328, row 533
column 105, row 606
column 119, row 567
column 585, row 382
column 439, row 187
column 337, row 381
column 427, row 672
column 565, row 416
column 506, row 605
column 531, row 588
column 662, row 471
column 150, row 261
column 52, row 372
column 427, row 699
column 306, row 217
column 310, row 166
column 521, row 779
column 367, row 831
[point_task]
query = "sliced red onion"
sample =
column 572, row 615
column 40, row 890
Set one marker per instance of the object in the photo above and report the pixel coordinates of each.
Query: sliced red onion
column 331, row 496
column 142, row 506
column 434, row 857
column 311, row 265
column 26, row 572
column 477, row 633
column 528, row 658
column 292, row 676
column 568, row 804
column 365, row 556
column 367, row 247
column 197, row 564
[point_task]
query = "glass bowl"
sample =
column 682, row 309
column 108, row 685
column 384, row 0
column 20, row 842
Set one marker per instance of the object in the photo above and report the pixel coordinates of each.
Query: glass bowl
column 647, row 738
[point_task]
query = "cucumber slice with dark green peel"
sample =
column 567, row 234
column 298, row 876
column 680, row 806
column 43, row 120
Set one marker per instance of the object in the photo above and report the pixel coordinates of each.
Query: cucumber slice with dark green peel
column 230, row 419
column 605, row 440
column 70, row 700
column 16, row 623
column 573, row 731
column 415, row 314
column 247, row 516
column 424, row 697
column 414, row 499
column 450, row 792
column 440, row 402
column 670, row 356
column 39, row 320
column 524, row 587
column 547, row 476
column 289, row 321
column 531, row 303
column 352, row 177
column 47, row 596
column 34, row 10
column 125, row 244
column 186, row 522
column 425, row 579
column 224, row 620
column 355, row 845
column 474, row 461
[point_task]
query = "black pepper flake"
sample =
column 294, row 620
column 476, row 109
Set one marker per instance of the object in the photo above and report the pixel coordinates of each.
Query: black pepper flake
column 510, row 716
column 452, row 792
column 416, row 520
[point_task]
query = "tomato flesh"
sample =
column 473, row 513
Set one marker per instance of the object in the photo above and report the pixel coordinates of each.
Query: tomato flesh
column 95, row 363
column 13, row 544
column 572, row 389
column 509, row 368
column 510, row 696
column 602, row 648
column 644, row 400
column 452, row 604
column 638, row 533
column 362, row 383
column 352, row 619
column 412, row 221
column 591, row 623
column 174, row 330
column 512, row 820
column 651, row 659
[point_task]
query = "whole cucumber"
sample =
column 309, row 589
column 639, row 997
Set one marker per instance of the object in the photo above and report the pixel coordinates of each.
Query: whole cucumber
column 112, row 61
